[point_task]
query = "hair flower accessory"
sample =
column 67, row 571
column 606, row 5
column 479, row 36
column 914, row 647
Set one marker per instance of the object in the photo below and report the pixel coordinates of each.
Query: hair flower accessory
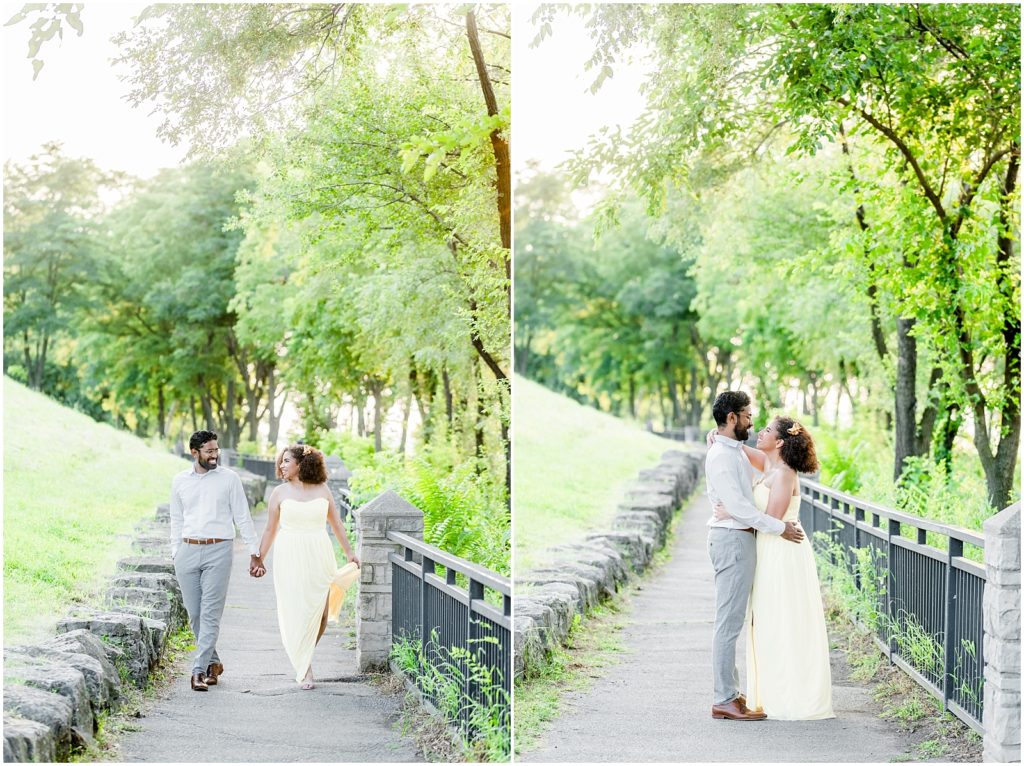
column 794, row 429
column 307, row 450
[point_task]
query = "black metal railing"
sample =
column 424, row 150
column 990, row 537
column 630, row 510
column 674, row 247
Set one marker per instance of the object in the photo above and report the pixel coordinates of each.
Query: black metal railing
column 450, row 622
column 261, row 466
column 927, row 599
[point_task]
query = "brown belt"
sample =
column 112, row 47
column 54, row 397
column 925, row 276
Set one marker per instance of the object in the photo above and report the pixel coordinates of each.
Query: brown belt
column 751, row 530
column 203, row 541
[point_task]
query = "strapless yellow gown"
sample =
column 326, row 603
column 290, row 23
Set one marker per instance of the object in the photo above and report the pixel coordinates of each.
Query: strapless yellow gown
column 788, row 670
column 306, row 576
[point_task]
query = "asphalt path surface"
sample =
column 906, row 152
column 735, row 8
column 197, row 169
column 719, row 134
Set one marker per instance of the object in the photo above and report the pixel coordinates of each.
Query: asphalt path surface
column 654, row 705
column 257, row 713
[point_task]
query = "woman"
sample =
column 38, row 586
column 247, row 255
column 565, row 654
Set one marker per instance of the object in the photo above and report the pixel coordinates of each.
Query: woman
column 308, row 584
column 788, row 671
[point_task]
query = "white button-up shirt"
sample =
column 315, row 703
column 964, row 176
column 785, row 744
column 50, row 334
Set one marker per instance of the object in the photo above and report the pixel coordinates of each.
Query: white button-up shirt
column 730, row 479
column 205, row 505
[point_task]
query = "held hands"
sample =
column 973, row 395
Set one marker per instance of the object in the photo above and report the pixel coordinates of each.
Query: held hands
column 256, row 566
column 793, row 533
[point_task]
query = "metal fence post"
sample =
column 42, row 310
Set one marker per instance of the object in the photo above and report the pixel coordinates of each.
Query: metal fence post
column 890, row 586
column 426, row 568
column 955, row 550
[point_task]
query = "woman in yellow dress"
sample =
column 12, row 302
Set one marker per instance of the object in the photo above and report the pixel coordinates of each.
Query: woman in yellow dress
column 307, row 581
column 788, row 671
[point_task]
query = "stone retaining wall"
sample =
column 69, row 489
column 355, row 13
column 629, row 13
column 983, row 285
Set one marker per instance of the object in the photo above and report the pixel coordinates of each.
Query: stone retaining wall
column 55, row 691
column 578, row 576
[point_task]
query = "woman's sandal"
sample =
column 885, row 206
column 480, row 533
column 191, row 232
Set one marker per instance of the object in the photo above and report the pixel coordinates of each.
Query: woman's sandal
column 307, row 682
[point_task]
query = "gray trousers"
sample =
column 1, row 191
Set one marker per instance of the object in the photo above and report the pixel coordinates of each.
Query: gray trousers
column 733, row 555
column 203, row 573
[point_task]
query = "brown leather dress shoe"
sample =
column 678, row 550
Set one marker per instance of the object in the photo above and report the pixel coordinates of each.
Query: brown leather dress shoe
column 199, row 683
column 212, row 671
column 736, row 710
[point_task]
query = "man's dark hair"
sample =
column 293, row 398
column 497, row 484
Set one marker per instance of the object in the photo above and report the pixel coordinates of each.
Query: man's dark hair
column 199, row 438
column 726, row 402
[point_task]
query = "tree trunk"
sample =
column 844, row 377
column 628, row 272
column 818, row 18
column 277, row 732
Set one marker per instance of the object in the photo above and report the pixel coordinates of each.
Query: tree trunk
column 503, row 183
column 233, row 427
column 207, row 403
column 1000, row 466
column 274, row 416
column 424, row 384
column 376, row 387
column 906, row 394
column 161, row 414
column 673, row 397
column 447, row 396
column 499, row 146
column 405, row 421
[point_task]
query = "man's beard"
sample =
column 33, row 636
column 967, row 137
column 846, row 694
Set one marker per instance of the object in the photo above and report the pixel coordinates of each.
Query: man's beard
column 742, row 433
column 207, row 465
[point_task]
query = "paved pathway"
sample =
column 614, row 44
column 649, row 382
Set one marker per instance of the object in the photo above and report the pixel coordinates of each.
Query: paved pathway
column 655, row 704
column 257, row 712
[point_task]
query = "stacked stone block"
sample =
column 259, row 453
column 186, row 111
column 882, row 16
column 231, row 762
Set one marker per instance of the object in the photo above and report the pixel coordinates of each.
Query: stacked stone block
column 1001, row 609
column 576, row 577
column 387, row 512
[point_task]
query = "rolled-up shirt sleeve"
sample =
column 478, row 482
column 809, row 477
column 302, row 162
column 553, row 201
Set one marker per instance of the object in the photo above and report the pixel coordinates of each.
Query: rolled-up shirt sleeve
column 177, row 517
column 724, row 478
column 242, row 517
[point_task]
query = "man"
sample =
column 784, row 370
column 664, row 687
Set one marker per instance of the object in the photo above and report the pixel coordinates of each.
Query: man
column 732, row 548
column 207, row 501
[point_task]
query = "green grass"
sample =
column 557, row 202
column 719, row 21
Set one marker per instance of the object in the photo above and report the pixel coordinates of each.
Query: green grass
column 570, row 466
column 73, row 490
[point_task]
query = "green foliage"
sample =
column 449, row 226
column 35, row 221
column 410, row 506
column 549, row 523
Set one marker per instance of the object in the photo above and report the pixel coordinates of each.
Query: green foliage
column 335, row 244
column 49, row 22
column 444, row 678
column 608, row 322
column 464, row 508
column 856, row 584
column 928, row 489
column 890, row 139
column 52, row 246
column 841, row 461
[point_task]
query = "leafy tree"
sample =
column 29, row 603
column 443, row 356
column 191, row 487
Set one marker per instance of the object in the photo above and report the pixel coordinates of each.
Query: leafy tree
column 936, row 88
column 51, row 211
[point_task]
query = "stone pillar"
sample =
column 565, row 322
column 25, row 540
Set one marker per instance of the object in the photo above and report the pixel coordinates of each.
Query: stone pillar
column 1002, row 636
column 387, row 512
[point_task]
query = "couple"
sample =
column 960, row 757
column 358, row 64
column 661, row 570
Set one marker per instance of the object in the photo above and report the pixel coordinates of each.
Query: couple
column 208, row 501
column 764, row 571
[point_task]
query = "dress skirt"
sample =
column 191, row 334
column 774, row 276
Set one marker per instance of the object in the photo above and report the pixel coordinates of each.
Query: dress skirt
column 306, row 579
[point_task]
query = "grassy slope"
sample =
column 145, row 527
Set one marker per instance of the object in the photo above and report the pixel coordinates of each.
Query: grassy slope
column 73, row 490
column 571, row 464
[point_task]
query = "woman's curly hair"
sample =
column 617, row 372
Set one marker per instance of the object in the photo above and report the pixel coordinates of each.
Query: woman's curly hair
column 797, row 449
column 312, row 469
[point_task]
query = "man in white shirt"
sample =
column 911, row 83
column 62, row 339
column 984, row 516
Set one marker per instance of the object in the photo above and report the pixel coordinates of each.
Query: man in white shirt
column 207, row 501
column 732, row 546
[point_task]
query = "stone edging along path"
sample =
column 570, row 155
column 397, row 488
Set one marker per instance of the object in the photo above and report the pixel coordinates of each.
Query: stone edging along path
column 578, row 576
column 55, row 691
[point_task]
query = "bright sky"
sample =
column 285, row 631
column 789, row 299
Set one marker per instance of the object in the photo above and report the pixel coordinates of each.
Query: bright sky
column 77, row 98
column 553, row 111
